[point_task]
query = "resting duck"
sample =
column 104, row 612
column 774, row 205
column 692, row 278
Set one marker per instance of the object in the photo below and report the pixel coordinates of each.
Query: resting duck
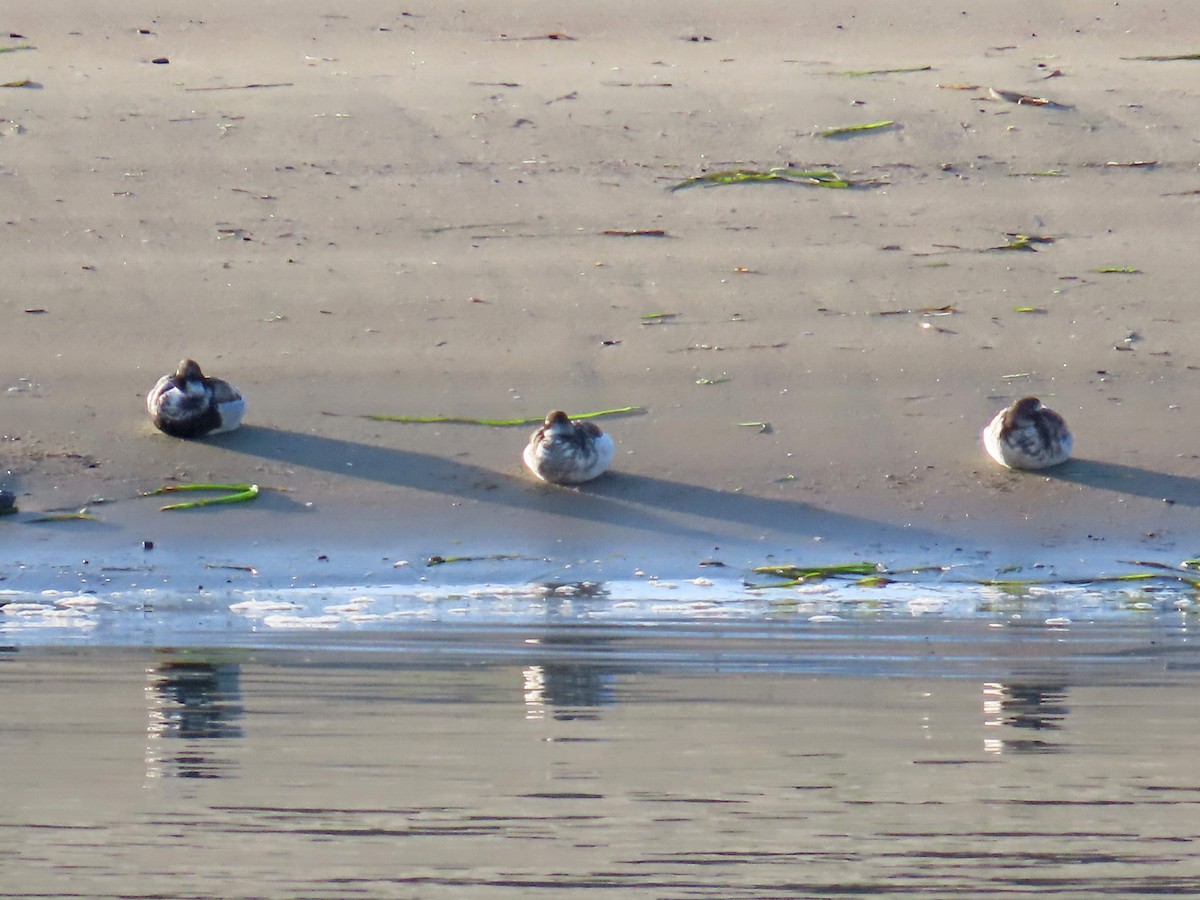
column 566, row 452
column 189, row 404
column 1027, row 435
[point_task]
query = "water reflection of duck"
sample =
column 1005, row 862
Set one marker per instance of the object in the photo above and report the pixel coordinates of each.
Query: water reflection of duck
column 194, row 707
column 1039, row 707
column 1027, row 435
column 189, row 404
column 566, row 452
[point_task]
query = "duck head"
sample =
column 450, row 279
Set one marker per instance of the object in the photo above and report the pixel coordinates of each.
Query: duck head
column 189, row 377
column 558, row 423
column 189, row 370
column 1023, row 411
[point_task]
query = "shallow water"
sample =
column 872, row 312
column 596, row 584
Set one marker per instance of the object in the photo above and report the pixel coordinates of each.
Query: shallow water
column 648, row 756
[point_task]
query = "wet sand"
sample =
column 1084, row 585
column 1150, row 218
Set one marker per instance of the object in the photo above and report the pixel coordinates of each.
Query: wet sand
column 367, row 211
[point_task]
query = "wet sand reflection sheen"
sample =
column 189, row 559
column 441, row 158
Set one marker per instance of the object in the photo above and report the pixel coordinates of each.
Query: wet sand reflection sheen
column 584, row 769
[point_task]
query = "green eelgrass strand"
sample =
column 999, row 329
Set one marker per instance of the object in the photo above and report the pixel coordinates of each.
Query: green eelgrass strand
column 239, row 493
column 855, row 129
column 443, row 560
column 813, row 177
column 496, row 423
column 865, row 568
column 79, row 515
column 869, row 574
column 1023, row 242
column 1178, row 57
column 1019, row 584
column 803, row 574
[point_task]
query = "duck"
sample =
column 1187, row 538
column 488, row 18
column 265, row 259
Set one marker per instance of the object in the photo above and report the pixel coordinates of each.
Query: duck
column 1028, row 435
column 566, row 452
column 189, row 404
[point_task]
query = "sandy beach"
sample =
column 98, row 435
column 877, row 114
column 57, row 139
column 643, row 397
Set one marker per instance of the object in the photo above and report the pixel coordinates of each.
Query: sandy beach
column 373, row 209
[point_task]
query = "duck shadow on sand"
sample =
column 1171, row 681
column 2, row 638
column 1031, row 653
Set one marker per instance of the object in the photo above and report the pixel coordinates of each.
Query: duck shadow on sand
column 639, row 502
column 1180, row 489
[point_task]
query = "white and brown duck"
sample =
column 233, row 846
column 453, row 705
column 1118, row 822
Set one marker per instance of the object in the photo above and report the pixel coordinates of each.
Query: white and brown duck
column 1027, row 435
column 189, row 404
column 566, row 452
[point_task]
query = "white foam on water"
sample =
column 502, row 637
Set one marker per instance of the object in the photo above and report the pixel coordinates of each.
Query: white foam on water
column 164, row 617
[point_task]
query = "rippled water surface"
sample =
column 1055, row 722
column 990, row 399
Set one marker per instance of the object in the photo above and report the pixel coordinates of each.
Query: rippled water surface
column 667, row 751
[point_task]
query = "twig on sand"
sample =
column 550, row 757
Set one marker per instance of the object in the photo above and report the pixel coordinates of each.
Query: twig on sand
column 242, row 87
column 1026, row 99
column 860, row 73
